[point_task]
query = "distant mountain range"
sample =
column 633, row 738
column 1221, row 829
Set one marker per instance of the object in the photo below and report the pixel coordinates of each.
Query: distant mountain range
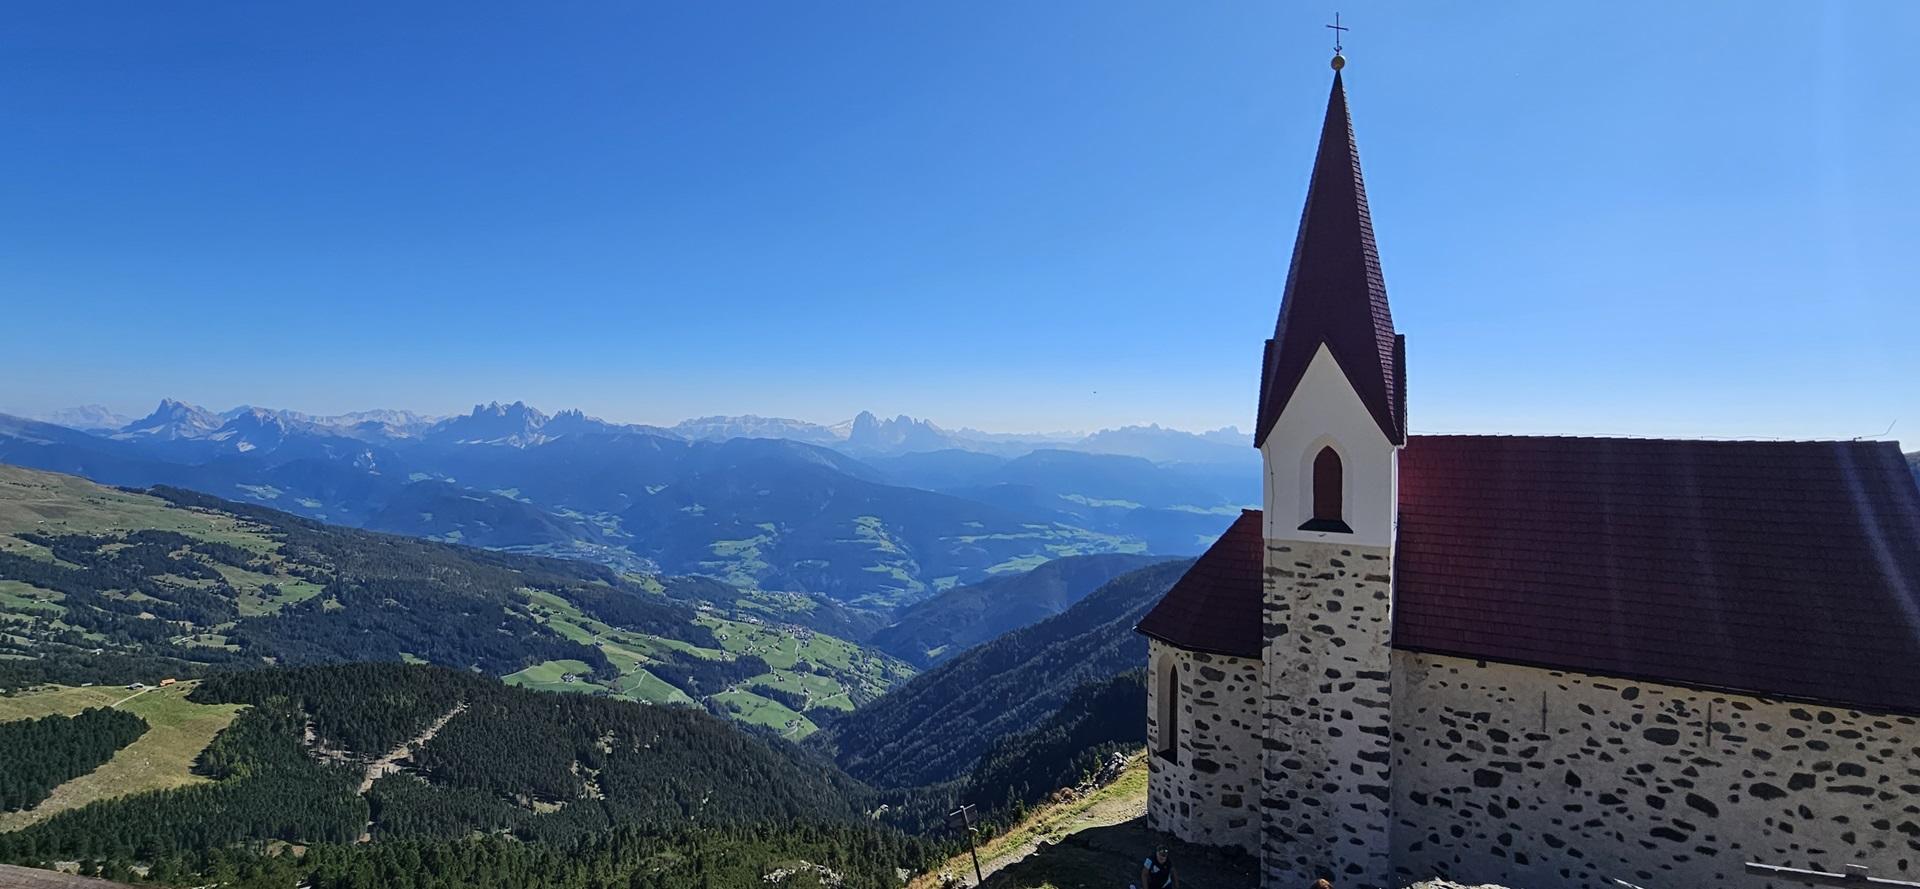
column 871, row 513
column 520, row 425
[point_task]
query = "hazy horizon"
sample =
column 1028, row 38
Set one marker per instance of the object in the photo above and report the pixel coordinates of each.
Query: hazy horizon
column 1070, row 216
column 136, row 413
column 668, row 422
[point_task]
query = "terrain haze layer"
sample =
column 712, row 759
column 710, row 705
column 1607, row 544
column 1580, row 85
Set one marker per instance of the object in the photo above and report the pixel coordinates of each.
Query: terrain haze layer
column 872, row 514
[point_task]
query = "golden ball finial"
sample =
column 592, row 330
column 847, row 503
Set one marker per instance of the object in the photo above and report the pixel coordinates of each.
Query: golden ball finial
column 1339, row 61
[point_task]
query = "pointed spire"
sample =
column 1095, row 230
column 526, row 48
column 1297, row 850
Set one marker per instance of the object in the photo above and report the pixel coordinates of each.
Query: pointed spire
column 1335, row 294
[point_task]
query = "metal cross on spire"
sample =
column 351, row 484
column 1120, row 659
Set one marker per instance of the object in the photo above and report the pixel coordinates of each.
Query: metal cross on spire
column 1338, row 32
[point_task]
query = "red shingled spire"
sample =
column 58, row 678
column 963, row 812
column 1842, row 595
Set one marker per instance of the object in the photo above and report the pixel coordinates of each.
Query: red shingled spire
column 1335, row 294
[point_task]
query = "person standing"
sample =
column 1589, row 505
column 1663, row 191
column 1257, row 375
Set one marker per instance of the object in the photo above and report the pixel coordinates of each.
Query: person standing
column 1157, row 871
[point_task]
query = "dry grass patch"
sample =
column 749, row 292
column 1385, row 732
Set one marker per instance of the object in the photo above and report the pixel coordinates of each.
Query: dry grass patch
column 177, row 731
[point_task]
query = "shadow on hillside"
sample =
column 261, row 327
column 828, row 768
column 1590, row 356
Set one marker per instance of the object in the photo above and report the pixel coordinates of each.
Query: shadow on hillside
column 1110, row 858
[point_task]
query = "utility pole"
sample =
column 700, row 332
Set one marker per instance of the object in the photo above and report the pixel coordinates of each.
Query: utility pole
column 962, row 819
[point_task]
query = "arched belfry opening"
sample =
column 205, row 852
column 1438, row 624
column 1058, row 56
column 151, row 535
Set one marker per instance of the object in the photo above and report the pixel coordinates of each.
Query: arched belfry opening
column 1327, row 480
column 1329, row 493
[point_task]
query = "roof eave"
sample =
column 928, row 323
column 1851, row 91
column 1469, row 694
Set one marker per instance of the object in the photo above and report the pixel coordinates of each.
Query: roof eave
column 1282, row 395
column 1158, row 637
column 1880, row 709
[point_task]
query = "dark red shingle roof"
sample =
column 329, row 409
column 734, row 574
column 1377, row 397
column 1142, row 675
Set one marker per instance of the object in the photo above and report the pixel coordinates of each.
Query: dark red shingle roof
column 1215, row 607
column 1788, row 569
column 1335, row 293
column 1782, row 569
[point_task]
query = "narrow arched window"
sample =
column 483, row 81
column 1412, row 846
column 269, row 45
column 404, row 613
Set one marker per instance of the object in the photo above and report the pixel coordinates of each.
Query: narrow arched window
column 1170, row 713
column 1326, row 486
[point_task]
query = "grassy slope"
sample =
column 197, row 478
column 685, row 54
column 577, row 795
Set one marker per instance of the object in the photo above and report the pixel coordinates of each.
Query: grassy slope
column 549, row 675
column 65, row 504
column 756, row 710
column 49, row 503
column 1120, row 802
column 855, row 669
column 34, row 501
column 1096, row 842
column 783, row 648
column 163, row 757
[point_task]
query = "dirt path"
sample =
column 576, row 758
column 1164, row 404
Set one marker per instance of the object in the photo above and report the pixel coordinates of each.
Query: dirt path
column 842, row 693
column 1122, row 801
column 132, row 696
column 1103, row 812
column 32, row 878
column 390, row 763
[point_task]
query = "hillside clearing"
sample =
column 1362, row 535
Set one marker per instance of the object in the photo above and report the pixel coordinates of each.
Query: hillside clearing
column 553, row 676
column 178, row 730
column 64, row 504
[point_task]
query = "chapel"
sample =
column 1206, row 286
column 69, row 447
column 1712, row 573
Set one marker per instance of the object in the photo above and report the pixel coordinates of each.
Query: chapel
column 1533, row 661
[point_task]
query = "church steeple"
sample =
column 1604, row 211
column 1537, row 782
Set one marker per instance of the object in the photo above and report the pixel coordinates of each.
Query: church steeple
column 1335, row 294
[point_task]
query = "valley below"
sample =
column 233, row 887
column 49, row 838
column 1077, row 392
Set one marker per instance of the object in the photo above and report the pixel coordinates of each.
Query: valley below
column 301, row 702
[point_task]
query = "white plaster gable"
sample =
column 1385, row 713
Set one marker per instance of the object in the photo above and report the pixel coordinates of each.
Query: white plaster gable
column 1325, row 410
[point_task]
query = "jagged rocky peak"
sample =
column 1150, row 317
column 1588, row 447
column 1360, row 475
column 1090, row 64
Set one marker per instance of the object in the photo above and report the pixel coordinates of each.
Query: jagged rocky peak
column 174, row 419
column 514, row 424
column 901, row 434
column 518, row 410
column 575, row 421
column 171, row 408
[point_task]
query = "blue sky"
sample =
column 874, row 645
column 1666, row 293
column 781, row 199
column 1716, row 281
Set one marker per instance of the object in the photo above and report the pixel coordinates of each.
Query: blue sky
column 1669, row 219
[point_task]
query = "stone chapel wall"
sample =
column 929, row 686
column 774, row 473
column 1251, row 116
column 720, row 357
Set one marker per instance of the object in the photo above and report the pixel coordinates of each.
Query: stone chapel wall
column 1327, row 715
column 1210, row 792
column 1541, row 779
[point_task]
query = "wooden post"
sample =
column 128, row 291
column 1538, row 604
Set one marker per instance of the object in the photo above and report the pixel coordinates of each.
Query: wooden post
column 964, row 817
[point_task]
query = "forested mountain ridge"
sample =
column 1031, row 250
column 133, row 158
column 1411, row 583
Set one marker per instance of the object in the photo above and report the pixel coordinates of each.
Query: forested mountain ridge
column 627, row 764
column 1096, row 719
column 554, row 772
column 307, row 762
column 108, row 585
column 939, row 628
column 564, row 771
column 936, row 726
column 767, row 514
